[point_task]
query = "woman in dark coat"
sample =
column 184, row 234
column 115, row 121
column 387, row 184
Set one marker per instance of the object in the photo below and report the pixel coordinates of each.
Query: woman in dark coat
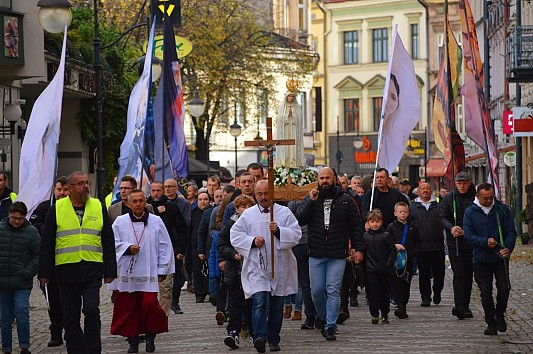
column 19, row 261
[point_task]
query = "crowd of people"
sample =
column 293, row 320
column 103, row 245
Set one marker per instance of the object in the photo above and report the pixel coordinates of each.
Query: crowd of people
column 249, row 258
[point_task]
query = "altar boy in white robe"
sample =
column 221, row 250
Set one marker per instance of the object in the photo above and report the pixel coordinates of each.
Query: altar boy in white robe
column 250, row 236
column 145, row 257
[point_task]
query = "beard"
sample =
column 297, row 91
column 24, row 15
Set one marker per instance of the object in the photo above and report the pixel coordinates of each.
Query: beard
column 326, row 191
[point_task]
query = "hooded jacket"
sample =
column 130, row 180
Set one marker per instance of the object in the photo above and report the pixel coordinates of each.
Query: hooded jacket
column 446, row 215
column 345, row 224
column 19, row 255
column 479, row 227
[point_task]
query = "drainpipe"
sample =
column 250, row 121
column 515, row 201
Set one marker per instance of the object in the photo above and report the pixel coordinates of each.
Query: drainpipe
column 518, row 139
column 325, row 65
column 428, row 151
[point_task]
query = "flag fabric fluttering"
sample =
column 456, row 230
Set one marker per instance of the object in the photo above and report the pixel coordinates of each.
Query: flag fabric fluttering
column 162, row 160
column 478, row 125
column 401, row 106
column 173, row 105
column 443, row 125
column 38, row 156
column 132, row 147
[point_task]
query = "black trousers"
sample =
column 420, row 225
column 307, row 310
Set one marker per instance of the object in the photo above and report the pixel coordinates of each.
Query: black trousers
column 377, row 289
column 177, row 283
column 240, row 309
column 462, row 276
column 76, row 298
column 55, row 313
column 431, row 262
column 484, row 273
column 348, row 281
column 222, row 294
column 401, row 288
column 200, row 281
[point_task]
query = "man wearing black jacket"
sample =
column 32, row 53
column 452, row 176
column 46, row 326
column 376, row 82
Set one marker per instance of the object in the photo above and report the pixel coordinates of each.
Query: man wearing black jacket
column 78, row 238
column 452, row 209
column 332, row 220
column 178, row 231
column 37, row 219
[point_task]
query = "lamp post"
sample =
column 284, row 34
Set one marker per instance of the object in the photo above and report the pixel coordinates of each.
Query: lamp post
column 357, row 144
column 12, row 113
column 339, row 155
column 196, row 108
column 235, row 130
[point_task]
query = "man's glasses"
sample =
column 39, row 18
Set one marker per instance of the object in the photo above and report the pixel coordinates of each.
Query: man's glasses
column 80, row 183
column 171, row 187
column 14, row 218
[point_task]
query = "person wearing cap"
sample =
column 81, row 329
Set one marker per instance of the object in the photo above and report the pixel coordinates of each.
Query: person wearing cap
column 451, row 212
column 405, row 188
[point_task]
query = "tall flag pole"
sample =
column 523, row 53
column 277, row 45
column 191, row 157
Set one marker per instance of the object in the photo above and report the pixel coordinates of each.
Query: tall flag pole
column 478, row 125
column 400, row 111
column 38, row 156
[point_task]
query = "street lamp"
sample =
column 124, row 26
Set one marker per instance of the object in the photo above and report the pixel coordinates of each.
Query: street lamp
column 157, row 69
column 196, row 108
column 54, row 15
column 235, row 130
column 12, row 113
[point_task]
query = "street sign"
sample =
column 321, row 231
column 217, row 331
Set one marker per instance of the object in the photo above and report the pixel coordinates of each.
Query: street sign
column 523, row 121
column 172, row 9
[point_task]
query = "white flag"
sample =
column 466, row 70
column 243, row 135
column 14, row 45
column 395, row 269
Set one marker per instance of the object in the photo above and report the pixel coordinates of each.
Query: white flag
column 132, row 147
column 401, row 106
column 38, row 154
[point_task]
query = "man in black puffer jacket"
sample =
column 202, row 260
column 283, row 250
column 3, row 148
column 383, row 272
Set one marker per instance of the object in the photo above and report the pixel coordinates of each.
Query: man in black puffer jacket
column 332, row 220
column 452, row 209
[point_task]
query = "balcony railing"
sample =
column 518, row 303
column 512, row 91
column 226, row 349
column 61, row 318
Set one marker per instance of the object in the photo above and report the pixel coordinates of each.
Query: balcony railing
column 519, row 67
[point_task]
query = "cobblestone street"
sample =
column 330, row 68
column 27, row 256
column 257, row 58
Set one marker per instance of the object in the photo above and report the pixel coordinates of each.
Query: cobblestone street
column 428, row 330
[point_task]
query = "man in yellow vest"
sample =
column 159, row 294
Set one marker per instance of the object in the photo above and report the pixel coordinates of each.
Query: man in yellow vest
column 78, row 244
column 7, row 196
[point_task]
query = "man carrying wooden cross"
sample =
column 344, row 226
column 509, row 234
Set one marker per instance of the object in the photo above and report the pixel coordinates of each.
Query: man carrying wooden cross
column 250, row 236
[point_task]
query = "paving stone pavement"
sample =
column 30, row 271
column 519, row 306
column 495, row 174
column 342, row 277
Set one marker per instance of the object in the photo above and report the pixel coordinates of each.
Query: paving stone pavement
column 428, row 330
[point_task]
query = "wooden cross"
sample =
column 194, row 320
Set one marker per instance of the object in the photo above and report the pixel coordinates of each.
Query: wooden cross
column 270, row 144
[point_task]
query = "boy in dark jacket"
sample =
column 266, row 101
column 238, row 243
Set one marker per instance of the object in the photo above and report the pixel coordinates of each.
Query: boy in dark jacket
column 401, row 281
column 379, row 258
column 231, row 261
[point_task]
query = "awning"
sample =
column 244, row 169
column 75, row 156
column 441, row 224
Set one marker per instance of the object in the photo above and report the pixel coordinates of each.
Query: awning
column 435, row 168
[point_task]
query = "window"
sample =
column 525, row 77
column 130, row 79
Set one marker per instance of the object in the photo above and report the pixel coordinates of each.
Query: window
column 377, row 103
column 262, row 100
column 351, row 47
column 302, row 25
column 380, row 40
column 440, row 49
column 5, row 4
column 351, row 115
column 414, row 41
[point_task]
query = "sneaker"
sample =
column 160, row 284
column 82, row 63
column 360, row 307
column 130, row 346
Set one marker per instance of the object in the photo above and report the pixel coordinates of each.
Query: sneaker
column 259, row 345
column 501, row 325
column 220, row 318
column 297, row 316
column 459, row 312
column 309, row 323
column 329, row 333
column 287, row 312
column 425, row 303
column 354, row 302
column 385, row 319
column 468, row 313
column 274, row 347
column 436, row 299
column 232, row 340
column 184, row 287
column 343, row 316
column 491, row 330
column 375, row 320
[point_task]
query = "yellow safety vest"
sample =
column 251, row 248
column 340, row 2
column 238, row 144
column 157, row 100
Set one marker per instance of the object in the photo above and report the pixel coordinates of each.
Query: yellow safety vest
column 75, row 243
column 108, row 200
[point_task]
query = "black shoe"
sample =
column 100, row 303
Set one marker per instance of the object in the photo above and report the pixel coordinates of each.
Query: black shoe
column 309, row 323
column 401, row 314
column 329, row 334
column 319, row 324
column 200, row 299
column 177, row 309
column 150, row 345
column 459, row 312
column 501, row 325
column 232, row 340
column 436, row 299
column 259, row 345
column 274, row 347
column 343, row 316
column 213, row 300
column 354, row 302
column 426, row 303
column 491, row 330
column 55, row 342
column 134, row 345
column 468, row 313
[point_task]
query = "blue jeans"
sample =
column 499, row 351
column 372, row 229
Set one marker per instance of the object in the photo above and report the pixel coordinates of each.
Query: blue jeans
column 326, row 279
column 267, row 316
column 15, row 303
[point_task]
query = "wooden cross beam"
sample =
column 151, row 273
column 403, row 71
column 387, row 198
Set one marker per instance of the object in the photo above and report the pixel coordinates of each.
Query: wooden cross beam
column 270, row 144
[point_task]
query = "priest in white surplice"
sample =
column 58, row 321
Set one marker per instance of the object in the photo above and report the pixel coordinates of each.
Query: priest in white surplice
column 250, row 236
column 145, row 257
